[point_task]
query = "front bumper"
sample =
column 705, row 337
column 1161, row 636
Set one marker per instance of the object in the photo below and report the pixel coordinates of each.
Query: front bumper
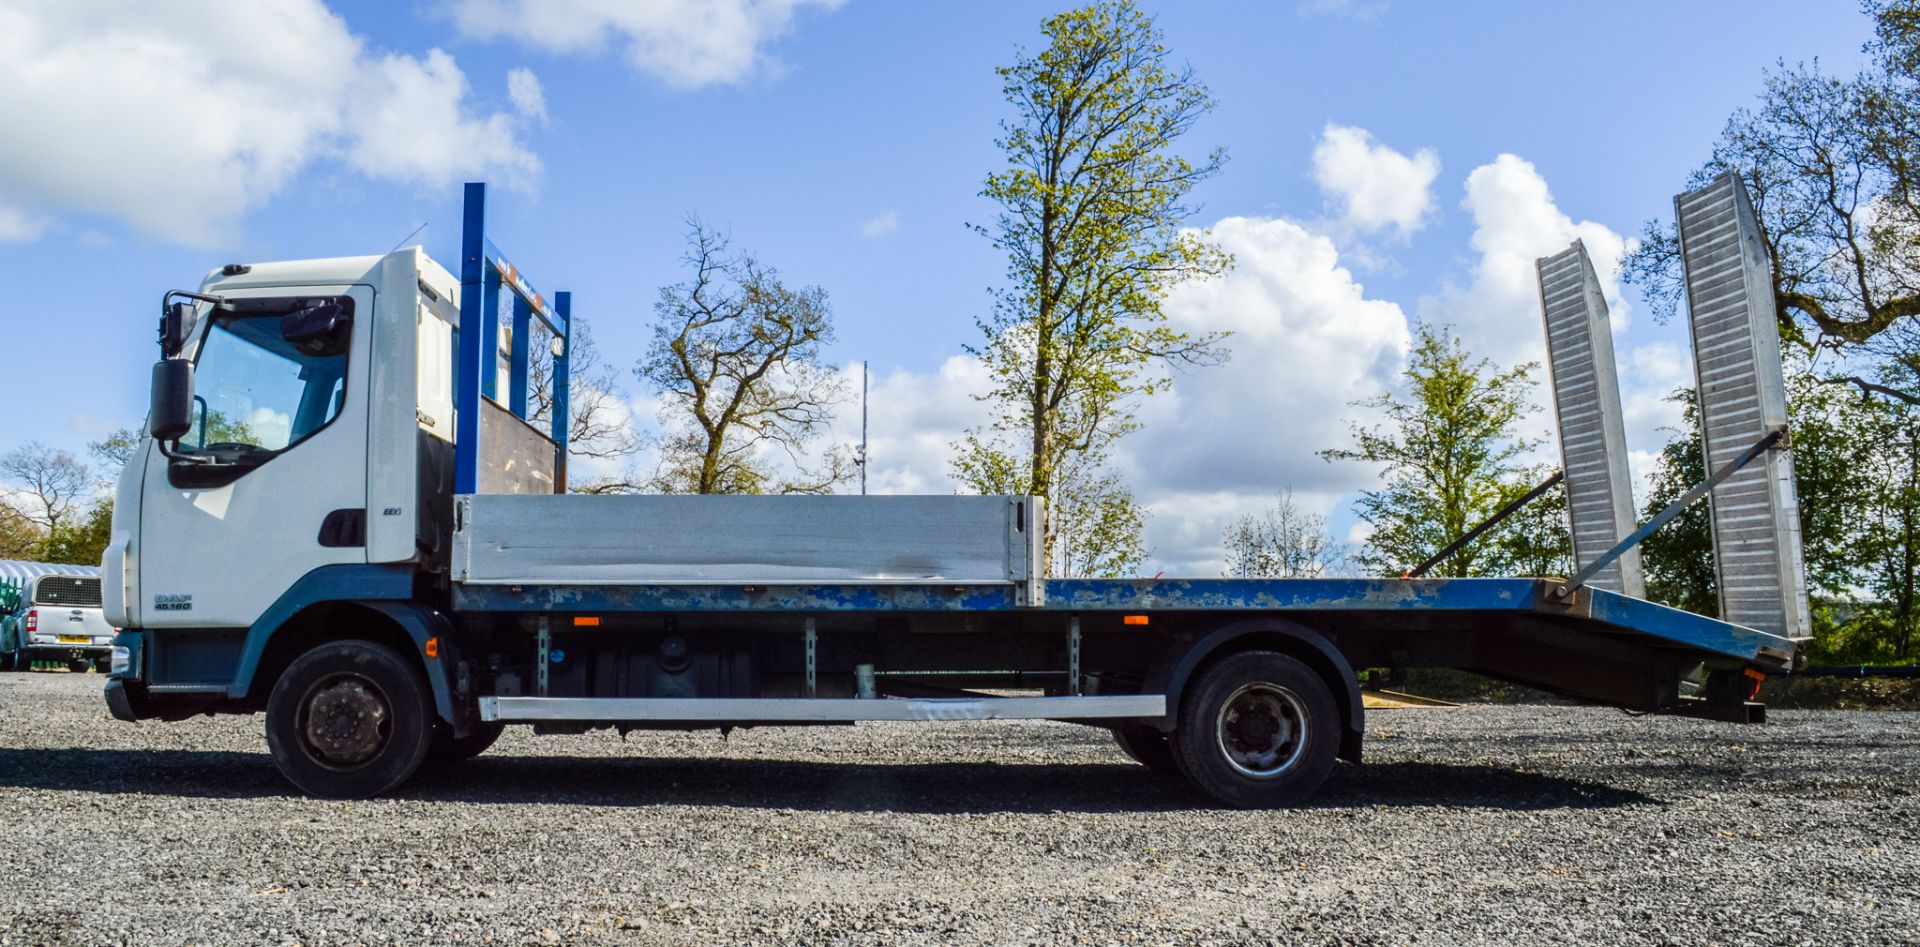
column 127, row 700
column 76, row 650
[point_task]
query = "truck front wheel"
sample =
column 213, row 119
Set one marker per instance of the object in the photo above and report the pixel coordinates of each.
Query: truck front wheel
column 348, row 720
column 1257, row 730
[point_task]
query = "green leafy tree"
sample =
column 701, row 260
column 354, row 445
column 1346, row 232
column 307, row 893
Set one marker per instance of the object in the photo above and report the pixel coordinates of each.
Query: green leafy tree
column 1888, row 551
column 1857, row 476
column 20, row 537
column 1097, row 522
column 115, row 451
column 1536, row 539
column 1092, row 205
column 1450, row 450
column 1678, row 557
column 84, row 541
column 736, row 360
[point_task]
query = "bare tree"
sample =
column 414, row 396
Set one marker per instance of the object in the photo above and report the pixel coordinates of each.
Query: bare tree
column 46, row 486
column 1281, row 543
column 736, row 359
column 599, row 425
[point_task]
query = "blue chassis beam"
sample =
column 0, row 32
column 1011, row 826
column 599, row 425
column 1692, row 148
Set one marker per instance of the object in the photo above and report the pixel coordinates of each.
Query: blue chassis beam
column 1611, row 611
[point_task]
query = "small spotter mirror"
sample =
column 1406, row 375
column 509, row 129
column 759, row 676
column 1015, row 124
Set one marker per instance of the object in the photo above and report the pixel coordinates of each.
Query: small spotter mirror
column 176, row 321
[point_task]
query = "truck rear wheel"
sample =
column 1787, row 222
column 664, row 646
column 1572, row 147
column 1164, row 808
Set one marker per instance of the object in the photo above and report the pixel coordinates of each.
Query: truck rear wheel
column 1257, row 730
column 1146, row 746
column 348, row 720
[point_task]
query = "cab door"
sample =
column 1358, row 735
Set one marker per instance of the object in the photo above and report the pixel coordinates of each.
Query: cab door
column 270, row 483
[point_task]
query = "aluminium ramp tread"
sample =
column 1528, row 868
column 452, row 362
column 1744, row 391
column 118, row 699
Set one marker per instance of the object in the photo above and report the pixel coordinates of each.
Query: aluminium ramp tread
column 1736, row 352
column 1586, row 402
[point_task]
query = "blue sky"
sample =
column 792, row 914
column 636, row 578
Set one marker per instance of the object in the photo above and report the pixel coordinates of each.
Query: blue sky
column 845, row 144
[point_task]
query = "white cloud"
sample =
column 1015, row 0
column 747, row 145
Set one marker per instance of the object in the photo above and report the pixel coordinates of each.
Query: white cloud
column 523, row 87
column 881, row 225
column 1224, row 439
column 180, row 120
column 17, row 227
column 1374, row 186
column 411, row 127
column 1649, row 373
column 1515, row 222
column 684, row 43
column 913, row 420
column 1306, row 341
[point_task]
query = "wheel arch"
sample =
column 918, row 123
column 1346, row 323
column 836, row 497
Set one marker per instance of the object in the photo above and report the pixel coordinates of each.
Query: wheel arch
column 1289, row 638
column 373, row 601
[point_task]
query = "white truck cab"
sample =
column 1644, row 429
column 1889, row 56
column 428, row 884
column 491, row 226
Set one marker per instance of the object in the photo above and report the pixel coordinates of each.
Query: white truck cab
column 304, row 447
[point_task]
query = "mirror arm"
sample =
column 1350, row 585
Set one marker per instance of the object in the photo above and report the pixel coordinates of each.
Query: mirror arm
column 203, row 297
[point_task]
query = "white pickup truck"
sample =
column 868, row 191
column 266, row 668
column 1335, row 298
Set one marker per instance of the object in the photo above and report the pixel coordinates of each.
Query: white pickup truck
column 56, row 620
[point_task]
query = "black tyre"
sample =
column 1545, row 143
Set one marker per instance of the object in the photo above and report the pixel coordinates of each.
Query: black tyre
column 102, row 665
column 447, row 749
column 348, row 720
column 1146, row 746
column 1257, row 730
column 78, row 665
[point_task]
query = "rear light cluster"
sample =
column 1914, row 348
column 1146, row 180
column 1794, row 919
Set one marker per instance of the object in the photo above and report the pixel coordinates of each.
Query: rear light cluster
column 33, row 620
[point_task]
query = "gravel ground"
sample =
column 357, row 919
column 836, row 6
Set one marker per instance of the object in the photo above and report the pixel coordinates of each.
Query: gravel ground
column 1494, row 825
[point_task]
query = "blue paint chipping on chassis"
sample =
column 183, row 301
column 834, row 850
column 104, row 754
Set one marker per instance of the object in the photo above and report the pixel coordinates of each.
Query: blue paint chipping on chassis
column 1597, row 609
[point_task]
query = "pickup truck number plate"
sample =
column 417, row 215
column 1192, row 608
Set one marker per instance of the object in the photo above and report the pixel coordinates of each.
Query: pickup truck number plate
column 74, row 639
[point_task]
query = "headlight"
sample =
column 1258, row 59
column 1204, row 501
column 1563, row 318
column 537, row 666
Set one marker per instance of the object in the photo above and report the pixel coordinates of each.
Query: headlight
column 122, row 661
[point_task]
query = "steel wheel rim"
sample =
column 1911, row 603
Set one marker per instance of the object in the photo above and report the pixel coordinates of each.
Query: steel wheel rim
column 1261, row 730
column 345, row 721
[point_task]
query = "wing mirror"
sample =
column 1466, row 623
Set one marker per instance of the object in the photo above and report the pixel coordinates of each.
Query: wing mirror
column 171, row 413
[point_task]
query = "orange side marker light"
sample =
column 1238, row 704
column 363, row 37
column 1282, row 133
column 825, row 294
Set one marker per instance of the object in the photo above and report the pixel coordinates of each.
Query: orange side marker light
column 1133, row 619
column 432, row 647
column 586, row 621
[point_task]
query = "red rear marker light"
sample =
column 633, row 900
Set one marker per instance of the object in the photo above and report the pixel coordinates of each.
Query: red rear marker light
column 1133, row 620
column 586, row 621
column 33, row 619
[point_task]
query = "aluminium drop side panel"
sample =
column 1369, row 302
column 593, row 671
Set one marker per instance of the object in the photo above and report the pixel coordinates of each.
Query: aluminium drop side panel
column 586, row 540
column 1736, row 357
column 1586, row 401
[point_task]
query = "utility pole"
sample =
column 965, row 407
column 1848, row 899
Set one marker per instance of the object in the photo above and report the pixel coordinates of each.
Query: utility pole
column 863, row 427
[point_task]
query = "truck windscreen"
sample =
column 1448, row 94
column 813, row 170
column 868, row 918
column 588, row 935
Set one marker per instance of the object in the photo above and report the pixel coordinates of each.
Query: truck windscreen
column 257, row 392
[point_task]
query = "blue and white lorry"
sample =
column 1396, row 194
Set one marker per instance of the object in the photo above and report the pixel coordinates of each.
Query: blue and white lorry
column 342, row 518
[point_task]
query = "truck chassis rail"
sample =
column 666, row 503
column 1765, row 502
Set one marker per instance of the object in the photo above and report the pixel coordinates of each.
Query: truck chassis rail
column 819, row 709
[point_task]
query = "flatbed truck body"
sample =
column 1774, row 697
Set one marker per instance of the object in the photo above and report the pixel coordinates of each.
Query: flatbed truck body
column 385, row 562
